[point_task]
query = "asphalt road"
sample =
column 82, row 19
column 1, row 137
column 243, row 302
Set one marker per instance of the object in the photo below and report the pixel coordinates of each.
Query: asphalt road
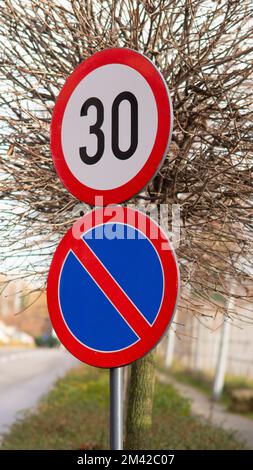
column 25, row 376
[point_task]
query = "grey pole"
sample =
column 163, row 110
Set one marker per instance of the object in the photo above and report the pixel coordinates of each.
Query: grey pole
column 116, row 409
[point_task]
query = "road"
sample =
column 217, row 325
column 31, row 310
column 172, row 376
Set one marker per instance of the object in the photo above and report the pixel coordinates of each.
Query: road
column 25, row 376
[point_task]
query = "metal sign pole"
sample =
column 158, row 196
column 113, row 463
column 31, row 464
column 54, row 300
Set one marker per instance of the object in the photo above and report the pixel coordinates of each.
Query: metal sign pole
column 116, row 409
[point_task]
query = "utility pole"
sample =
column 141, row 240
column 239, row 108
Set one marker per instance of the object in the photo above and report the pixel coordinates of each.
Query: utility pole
column 170, row 346
column 223, row 352
column 197, row 342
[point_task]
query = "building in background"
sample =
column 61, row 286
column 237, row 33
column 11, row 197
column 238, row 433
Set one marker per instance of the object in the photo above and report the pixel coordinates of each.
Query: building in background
column 23, row 310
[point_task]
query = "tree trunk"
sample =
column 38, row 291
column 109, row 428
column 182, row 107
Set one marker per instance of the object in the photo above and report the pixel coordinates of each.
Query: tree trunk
column 140, row 403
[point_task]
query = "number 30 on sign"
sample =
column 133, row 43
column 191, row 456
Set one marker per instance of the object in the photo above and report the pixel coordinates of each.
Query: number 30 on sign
column 111, row 126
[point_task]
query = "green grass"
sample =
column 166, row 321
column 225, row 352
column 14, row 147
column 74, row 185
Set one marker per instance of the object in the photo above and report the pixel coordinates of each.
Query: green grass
column 74, row 415
column 204, row 383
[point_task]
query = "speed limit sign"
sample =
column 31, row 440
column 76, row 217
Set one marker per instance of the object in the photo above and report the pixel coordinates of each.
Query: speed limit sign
column 111, row 126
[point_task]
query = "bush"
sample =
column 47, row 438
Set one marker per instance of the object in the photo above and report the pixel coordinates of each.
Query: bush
column 46, row 341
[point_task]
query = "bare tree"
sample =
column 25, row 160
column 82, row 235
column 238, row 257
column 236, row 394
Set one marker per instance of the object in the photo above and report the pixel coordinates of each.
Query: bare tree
column 204, row 50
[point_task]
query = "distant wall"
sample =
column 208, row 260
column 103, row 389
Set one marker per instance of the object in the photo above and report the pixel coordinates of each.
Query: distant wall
column 197, row 340
column 34, row 318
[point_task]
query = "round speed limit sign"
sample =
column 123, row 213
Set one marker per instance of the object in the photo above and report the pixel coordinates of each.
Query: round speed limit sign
column 111, row 127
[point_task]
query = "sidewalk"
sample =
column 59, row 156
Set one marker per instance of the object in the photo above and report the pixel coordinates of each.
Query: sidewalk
column 214, row 412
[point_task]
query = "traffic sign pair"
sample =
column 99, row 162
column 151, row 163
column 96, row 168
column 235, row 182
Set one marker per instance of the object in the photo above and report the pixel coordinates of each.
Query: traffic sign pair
column 113, row 286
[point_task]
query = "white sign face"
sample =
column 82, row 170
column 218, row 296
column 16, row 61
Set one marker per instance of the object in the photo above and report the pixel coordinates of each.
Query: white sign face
column 106, row 84
column 111, row 126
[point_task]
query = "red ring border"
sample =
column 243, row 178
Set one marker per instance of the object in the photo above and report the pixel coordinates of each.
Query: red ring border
column 164, row 316
column 155, row 80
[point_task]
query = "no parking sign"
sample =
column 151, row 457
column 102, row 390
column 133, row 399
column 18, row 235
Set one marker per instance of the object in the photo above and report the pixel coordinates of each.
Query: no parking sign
column 111, row 126
column 112, row 288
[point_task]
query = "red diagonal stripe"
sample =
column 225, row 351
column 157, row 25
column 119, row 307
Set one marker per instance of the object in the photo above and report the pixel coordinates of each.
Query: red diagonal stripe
column 111, row 289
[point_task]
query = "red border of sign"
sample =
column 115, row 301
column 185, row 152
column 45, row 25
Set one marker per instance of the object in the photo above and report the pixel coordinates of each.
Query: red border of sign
column 168, row 304
column 164, row 129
